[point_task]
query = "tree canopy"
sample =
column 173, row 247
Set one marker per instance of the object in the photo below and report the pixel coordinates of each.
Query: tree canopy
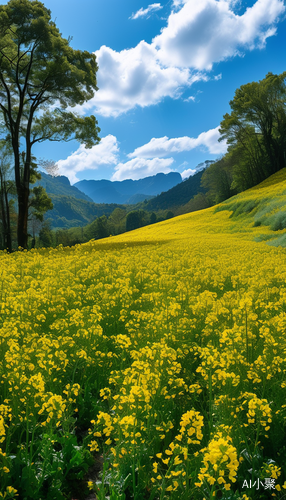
column 255, row 131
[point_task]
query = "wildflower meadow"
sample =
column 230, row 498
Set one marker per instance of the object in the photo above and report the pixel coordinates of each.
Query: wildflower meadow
column 151, row 365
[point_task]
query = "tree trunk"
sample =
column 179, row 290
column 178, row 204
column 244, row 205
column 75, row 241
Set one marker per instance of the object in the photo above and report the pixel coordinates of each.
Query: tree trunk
column 22, row 178
column 9, row 237
column 5, row 211
column 22, row 228
column 8, row 233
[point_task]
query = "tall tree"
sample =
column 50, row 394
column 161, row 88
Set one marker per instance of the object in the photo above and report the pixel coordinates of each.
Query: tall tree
column 41, row 78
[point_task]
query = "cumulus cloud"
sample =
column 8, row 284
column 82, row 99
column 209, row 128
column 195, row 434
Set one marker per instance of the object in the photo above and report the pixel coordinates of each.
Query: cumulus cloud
column 145, row 161
column 145, row 12
column 197, row 35
column 104, row 153
column 132, row 78
column 163, row 146
column 205, row 32
column 187, row 173
column 138, row 168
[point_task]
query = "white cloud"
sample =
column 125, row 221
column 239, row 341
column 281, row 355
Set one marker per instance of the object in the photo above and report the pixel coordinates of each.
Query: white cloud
column 104, row 153
column 144, row 12
column 132, row 78
column 187, row 173
column 202, row 33
column 190, row 98
column 210, row 139
column 198, row 34
column 163, row 146
column 178, row 3
column 138, row 168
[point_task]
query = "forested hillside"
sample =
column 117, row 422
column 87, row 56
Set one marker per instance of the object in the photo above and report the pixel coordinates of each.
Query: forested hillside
column 178, row 195
column 60, row 185
column 71, row 207
column 70, row 212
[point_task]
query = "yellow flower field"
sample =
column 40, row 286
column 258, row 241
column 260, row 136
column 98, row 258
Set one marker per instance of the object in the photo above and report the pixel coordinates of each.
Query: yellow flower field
column 159, row 353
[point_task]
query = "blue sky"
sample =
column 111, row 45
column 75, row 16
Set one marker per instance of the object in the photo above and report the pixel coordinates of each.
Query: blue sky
column 167, row 72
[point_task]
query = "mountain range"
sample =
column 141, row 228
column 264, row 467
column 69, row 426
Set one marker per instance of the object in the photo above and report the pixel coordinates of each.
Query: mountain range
column 75, row 206
column 71, row 206
column 128, row 191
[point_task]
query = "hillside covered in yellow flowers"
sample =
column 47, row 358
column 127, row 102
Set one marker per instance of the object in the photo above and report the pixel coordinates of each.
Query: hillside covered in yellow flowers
column 151, row 365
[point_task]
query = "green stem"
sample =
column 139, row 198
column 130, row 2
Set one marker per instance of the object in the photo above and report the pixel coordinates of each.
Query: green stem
column 32, row 444
column 246, row 335
column 27, row 431
column 210, row 402
column 133, row 464
column 164, row 479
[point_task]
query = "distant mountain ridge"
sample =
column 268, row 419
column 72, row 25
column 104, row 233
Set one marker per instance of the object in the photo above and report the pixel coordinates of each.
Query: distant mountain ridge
column 127, row 191
column 71, row 206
